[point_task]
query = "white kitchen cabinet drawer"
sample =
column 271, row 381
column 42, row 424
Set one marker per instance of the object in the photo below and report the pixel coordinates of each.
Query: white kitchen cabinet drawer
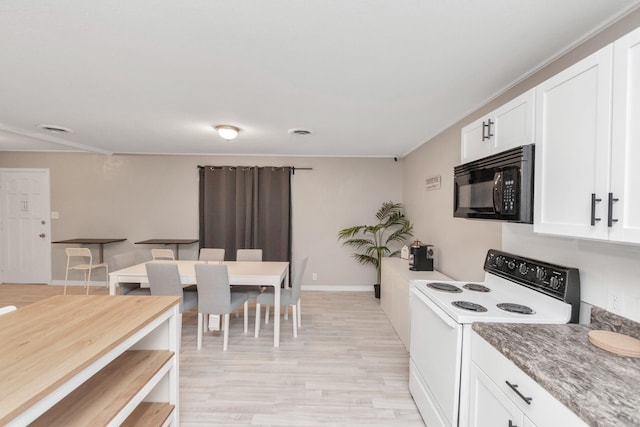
column 542, row 409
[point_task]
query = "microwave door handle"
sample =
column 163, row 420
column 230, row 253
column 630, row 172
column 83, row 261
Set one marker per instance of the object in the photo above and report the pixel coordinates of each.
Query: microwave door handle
column 497, row 192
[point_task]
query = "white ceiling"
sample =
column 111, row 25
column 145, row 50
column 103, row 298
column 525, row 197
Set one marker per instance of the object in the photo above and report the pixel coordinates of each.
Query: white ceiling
column 367, row 77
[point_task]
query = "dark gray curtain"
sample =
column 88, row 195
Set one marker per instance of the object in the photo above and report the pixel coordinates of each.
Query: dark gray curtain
column 246, row 208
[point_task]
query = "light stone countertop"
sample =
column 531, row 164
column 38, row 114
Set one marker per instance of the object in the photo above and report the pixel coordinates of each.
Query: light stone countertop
column 602, row 388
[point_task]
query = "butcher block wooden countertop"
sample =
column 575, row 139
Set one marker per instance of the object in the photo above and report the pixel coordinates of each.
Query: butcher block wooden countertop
column 50, row 348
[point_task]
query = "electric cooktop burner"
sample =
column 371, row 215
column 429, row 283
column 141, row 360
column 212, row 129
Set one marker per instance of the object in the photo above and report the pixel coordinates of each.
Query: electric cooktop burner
column 476, row 287
column 515, row 308
column 445, row 287
column 471, row 306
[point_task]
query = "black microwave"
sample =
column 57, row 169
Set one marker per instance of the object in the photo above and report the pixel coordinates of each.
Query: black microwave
column 498, row 187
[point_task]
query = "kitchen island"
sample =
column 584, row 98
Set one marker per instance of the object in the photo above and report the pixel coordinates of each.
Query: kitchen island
column 601, row 388
column 90, row 360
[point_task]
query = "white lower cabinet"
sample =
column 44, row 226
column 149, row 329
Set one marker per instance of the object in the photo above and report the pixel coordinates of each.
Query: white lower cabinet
column 489, row 405
column 503, row 395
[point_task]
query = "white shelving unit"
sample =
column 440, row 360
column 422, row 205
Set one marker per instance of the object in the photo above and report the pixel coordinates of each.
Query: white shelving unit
column 91, row 360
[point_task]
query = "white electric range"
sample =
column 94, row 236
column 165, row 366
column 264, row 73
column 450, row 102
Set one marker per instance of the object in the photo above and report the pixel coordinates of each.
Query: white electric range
column 515, row 290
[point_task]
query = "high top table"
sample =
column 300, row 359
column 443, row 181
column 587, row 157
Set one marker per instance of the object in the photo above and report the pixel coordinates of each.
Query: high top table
column 176, row 242
column 261, row 273
column 93, row 241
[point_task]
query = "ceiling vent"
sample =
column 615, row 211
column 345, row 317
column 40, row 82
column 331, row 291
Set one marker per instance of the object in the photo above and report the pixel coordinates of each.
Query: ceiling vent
column 55, row 129
column 302, row 132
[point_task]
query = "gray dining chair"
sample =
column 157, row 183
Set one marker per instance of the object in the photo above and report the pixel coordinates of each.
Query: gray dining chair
column 211, row 254
column 288, row 297
column 249, row 255
column 164, row 280
column 217, row 297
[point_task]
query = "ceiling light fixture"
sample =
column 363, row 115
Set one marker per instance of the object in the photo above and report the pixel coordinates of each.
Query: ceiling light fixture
column 227, row 132
column 301, row 132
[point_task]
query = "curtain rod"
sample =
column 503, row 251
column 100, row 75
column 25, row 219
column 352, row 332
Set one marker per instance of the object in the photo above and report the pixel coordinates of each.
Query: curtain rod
column 293, row 168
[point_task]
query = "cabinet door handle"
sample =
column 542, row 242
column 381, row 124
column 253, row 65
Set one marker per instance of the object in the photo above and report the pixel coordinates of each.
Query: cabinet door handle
column 593, row 209
column 487, row 126
column 610, row 219
column 511, row 424
column 514, row 387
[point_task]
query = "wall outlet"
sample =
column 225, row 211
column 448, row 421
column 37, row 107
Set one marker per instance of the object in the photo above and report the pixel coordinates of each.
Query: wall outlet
column 614, row 303
column 314, row 276
column 55, row 215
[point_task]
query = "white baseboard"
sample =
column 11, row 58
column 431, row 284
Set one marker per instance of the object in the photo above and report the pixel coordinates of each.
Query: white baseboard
column 326, row 288
column 101, row 283
column 339, row 288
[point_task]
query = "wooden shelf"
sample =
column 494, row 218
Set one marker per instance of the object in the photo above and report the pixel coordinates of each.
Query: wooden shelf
column 149, row 414
column 101, row 399
column 90, row 361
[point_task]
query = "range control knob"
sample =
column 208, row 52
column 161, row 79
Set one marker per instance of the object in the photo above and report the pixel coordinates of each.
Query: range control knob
column 511, row 264
column 500, row 261
column 523, row 269
column 540, row 273
column 554, row 283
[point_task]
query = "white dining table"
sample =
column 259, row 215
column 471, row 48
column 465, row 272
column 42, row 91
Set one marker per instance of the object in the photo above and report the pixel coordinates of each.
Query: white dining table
column 262, row 273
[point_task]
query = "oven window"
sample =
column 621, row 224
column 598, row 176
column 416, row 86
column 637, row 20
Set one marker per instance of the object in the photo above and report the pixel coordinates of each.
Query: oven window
column 478, row 196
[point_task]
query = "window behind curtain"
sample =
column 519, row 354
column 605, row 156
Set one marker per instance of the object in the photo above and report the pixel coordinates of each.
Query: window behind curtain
column 246, row 208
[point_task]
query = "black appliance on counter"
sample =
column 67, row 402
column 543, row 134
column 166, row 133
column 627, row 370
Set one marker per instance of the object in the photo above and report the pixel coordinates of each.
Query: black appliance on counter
column 497, row 187
column 420, row 257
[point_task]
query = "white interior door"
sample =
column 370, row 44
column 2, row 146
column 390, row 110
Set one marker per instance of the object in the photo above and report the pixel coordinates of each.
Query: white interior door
column 25, row 231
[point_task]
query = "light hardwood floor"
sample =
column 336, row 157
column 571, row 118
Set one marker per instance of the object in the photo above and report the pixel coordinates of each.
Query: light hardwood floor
column 346, row 368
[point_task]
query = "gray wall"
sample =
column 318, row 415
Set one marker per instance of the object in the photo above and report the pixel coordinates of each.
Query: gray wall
column 143, row 197
column 460, row 244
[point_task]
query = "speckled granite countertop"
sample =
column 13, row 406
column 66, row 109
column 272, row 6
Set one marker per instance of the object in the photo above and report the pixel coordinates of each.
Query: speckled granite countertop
column 600, row 387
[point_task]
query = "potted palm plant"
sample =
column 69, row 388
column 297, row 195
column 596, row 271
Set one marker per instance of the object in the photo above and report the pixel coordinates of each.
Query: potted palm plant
column 373, row 241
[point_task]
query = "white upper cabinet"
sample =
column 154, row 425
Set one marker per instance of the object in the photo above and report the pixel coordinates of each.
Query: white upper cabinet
column 475, row 144
column 625, row 141
column 587, row 141
column 573, row 124
column 509, row 126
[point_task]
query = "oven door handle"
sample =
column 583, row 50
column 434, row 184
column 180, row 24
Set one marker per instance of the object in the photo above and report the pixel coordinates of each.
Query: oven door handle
column 437, row 310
